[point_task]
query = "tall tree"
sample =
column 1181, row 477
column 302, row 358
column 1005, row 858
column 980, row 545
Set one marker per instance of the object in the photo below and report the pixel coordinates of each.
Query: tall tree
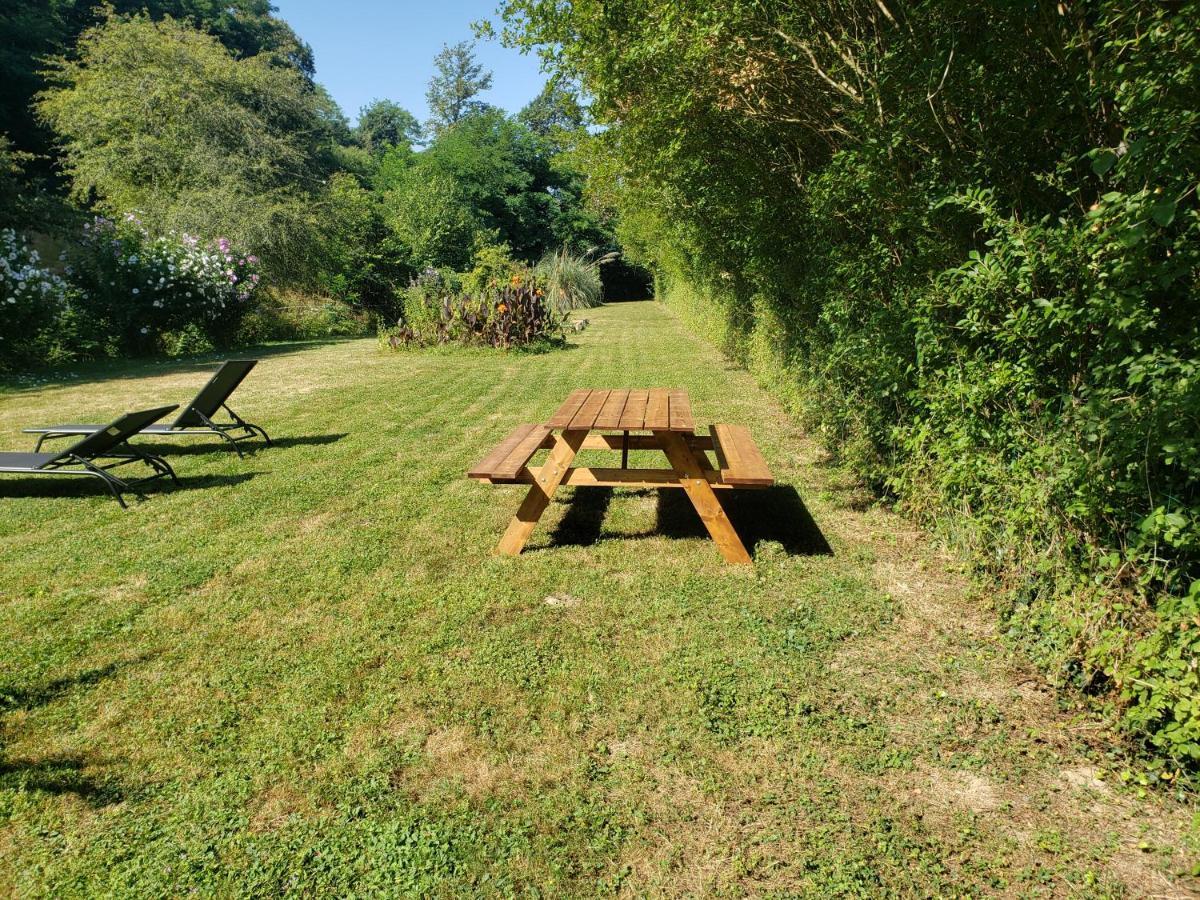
column 459, row 79
column 556, row 108
column 31, row 30
column 508, row 175
column 161, row 118
column 383, row 124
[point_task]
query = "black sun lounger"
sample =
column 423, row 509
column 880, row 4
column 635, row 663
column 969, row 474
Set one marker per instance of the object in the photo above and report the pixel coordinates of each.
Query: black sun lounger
column 97, row 454
column 197, row 416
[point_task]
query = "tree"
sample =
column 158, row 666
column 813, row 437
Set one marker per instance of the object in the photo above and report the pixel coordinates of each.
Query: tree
column 31, row 30
column 457, row 81
column 503, row 171
column 160, row 118
column 429, row 216
column 359, row 262
column 514, row 181
column 383, row 124
column 555, row 109
column 28, row 31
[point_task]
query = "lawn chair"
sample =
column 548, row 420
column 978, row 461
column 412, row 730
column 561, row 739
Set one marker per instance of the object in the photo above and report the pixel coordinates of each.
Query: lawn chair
column 197, row 416
column 90, row 457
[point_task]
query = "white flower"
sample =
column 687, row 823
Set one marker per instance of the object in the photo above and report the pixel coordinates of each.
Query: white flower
column 136, row 291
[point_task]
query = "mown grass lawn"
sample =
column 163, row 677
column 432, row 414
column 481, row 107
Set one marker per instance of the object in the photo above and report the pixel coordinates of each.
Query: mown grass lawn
column 305, row 673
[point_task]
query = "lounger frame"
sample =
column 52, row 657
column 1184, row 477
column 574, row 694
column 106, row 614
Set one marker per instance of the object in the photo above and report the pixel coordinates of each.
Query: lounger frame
column 89, row 469
column 194, row 419
column 232, row 432
column 110, row 450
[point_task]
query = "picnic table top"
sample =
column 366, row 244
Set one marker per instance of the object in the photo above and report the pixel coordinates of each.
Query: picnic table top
column 653, row 409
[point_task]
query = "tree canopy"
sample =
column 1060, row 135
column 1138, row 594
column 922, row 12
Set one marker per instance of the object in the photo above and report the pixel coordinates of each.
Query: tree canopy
column 157, row 117
column 31, row 30
column 457, row 81
column 383, row 124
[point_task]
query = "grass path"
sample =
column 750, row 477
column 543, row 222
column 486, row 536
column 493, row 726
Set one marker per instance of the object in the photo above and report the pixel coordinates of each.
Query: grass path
column 305, row 674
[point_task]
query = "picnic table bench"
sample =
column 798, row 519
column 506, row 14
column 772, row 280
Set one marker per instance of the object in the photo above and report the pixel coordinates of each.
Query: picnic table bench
column 624, row 420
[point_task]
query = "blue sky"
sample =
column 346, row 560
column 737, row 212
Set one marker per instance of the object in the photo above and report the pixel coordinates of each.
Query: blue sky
column 385, row 48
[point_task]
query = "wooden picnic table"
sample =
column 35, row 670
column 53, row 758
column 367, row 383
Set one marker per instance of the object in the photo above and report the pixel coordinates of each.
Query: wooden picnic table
column 653, row 419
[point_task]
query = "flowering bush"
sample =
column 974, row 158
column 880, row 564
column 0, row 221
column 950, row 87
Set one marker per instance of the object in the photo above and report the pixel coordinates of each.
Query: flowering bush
column 516, row 315
column 156, row 294
column 32, row 300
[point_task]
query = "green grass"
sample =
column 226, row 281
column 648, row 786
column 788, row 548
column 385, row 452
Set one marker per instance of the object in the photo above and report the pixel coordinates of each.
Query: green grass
column 305, row 673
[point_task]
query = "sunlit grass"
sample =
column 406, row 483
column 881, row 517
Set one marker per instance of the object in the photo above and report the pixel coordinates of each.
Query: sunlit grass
column 306, row 673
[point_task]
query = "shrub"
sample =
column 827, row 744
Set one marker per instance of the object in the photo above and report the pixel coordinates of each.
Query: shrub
column 494, row 268
column 424, row 296
column 572, row 281
column 293, row 316
column 33, row 303
column 962, row 241
column 1161, row 681
column 144, row 291
column 358, row 263
column 517, row 315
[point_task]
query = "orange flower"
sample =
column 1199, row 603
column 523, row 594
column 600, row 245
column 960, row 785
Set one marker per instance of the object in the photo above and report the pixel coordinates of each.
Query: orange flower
column 502, row 307
column 516, row 281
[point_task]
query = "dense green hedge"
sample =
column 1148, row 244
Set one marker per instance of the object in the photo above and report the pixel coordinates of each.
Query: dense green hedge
column 962, row 240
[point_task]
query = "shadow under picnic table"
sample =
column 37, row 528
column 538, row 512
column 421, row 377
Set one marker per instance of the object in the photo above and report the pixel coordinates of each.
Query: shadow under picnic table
column 760, row 515
column 767, row 514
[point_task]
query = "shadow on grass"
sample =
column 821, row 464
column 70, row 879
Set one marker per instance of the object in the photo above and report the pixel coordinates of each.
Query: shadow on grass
column 583, row 521
column 60, row 773
column 191, row 446
column 766, row 514
column 769, row 514
column 14, row 488
column 31, row 697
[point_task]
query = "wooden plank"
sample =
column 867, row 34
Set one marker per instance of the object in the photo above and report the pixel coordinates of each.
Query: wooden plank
column 545, row 483
column 681, row 412
column 610, row 412
column 521, row 453
column 596, row 441
column 694, row 481
column 570, row 406
column 634, row 416
column 486, row 466
column 739, row 457
column 598, row 476
column 586, row 417
column 658, row 410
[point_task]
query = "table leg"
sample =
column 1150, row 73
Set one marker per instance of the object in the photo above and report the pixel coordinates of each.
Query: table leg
column 545, row 483
column 700, row 492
